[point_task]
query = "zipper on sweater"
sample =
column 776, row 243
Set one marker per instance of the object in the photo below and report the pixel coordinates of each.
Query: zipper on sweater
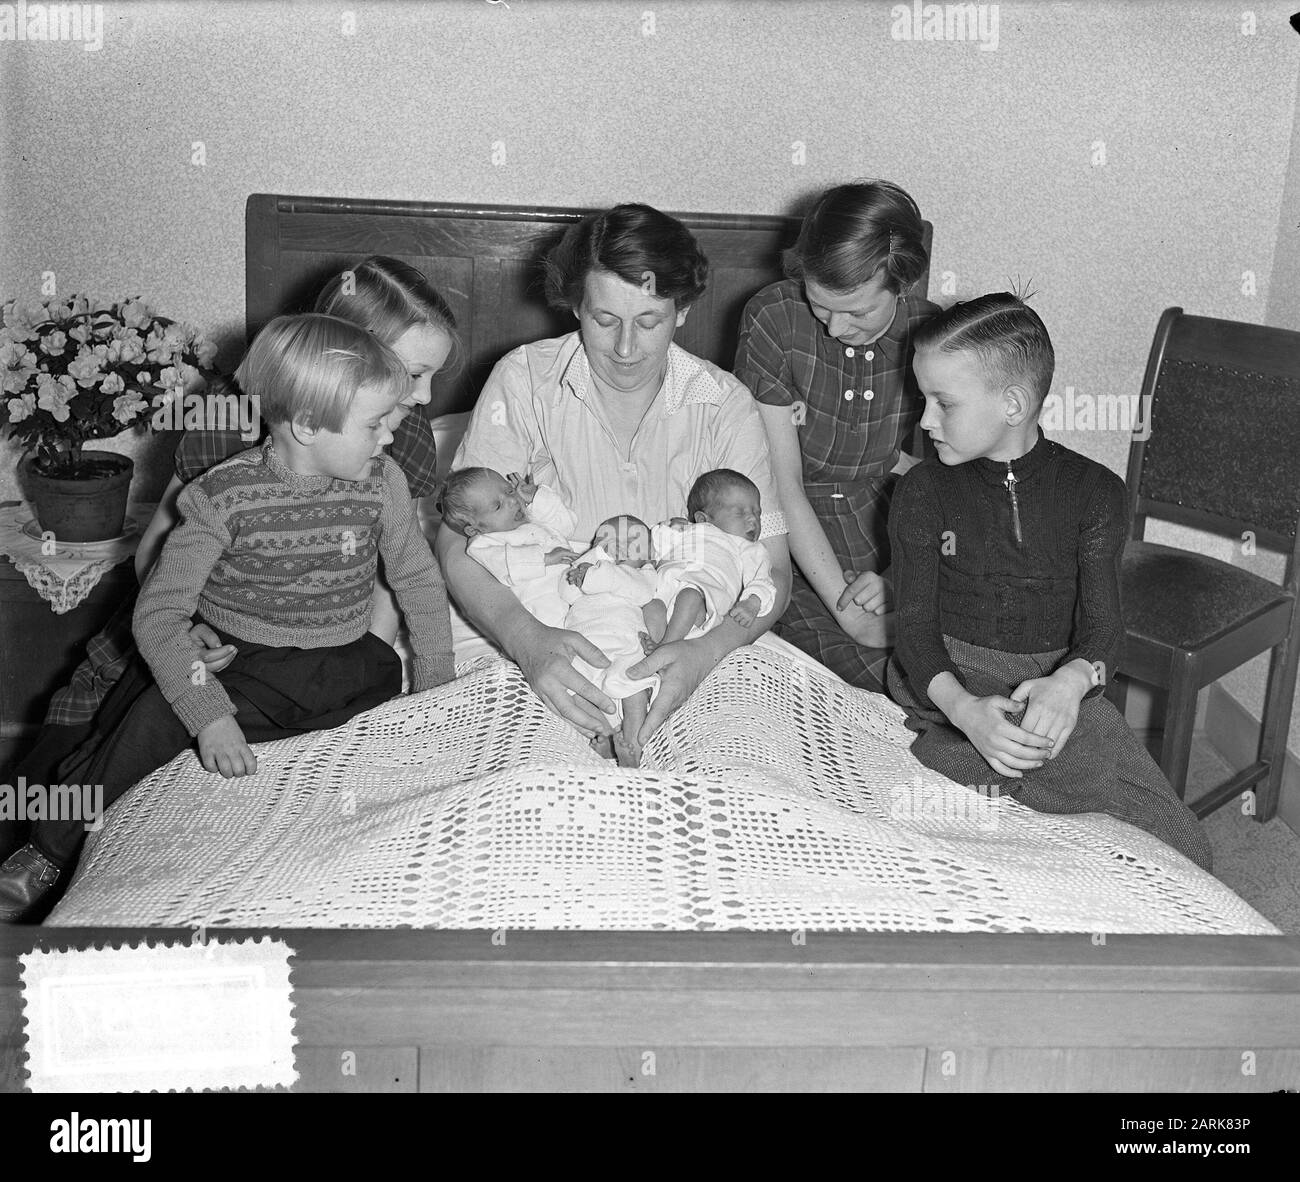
column 1010, row 483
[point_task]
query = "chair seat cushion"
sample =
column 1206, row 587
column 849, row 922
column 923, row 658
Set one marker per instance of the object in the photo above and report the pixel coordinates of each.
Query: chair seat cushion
column 1186, row 600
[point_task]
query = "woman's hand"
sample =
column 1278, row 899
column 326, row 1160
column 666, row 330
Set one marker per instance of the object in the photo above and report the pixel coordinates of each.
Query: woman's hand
column 214, row 655
column 559, row 557
column 867, row 628
column 1053, row 704
column 680, row 665
column 1009, row 749
column 545, row 657
column 222, row 748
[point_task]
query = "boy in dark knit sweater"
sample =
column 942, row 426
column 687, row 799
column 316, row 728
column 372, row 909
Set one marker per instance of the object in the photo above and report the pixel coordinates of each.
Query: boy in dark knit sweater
column 1006, row 562
column 277, row 551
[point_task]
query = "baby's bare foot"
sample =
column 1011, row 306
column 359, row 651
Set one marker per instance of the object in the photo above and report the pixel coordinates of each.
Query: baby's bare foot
column 603, row 746
column 627, row 752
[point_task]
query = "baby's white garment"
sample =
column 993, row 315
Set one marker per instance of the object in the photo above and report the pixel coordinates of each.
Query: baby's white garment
column 606, row 609
column 723, row 567
column 517, row 557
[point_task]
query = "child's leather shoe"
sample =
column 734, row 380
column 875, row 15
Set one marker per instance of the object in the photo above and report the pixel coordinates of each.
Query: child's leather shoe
column 25, row 878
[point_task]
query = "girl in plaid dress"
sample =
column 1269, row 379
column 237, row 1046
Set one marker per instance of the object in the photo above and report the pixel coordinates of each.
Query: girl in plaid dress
column 827, row 353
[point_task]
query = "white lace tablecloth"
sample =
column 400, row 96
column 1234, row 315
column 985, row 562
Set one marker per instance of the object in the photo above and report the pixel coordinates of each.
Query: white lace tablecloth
column 65, row 577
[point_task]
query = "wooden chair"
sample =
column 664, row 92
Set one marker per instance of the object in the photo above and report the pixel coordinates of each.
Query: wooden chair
column 1216, row 447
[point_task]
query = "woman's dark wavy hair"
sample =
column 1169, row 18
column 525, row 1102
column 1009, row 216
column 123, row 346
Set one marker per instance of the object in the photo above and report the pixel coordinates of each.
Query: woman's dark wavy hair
column 639, row 244
column 1006, row 334
column 857, row 230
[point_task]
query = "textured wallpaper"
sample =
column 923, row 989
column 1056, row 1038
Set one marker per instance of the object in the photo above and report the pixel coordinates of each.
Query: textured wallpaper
column 1121, row 156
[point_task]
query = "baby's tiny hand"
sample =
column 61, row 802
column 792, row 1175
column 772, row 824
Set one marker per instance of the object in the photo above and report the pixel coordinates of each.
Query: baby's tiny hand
column 559, row 556
column 575, row 574
column 647, row 645
column 222, row 748
column 524, row 486
column 745, row 612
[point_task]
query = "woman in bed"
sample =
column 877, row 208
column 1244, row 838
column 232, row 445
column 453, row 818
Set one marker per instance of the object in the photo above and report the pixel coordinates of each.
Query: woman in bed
column 389, row 298
column 616, row 419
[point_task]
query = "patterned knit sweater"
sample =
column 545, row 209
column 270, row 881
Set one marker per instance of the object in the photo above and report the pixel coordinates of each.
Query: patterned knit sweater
column 277, row 558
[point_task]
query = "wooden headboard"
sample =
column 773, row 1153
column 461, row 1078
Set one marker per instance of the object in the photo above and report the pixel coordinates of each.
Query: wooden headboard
column 485, row 260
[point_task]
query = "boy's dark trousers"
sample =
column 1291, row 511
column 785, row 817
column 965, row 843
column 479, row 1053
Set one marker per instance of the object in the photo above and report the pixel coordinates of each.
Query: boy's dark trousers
column 277, row 692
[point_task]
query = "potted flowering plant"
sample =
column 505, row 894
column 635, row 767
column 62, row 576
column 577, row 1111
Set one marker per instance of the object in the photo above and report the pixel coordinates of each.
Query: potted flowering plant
column 75, row 370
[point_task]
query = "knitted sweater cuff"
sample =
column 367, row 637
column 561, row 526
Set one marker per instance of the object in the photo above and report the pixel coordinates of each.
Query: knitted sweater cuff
column 202, row 704
column 428, row 672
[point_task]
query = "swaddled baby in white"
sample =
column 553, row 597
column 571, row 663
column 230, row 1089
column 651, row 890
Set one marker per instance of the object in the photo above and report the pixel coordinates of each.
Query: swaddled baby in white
column 611, row 589
column 518, row 531
column 712, row 565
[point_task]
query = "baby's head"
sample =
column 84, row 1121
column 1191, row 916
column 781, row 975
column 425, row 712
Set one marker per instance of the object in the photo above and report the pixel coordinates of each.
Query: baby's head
column 481, row 501
column 326, row 389
column 728, row 500
column 624, row 539
column 985, row 367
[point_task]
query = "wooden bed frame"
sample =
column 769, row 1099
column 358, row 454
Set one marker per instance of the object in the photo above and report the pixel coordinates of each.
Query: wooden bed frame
column 455, row 1010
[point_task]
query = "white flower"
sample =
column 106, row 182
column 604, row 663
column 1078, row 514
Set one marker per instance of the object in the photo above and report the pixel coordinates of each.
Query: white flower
column 17, row 364
column 112, row 384
column 206, row 351
column 135, row 314
column 53, row 343
column 127, row 406
column 15, row 355
column 156, row 348
column 172, row 379
column 19, row 321
column 85, row 370
column 54, row 395
column 123, row 350
column 20, row 408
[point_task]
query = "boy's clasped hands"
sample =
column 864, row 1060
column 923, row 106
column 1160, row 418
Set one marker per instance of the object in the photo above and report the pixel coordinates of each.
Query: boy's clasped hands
column 1050, row 708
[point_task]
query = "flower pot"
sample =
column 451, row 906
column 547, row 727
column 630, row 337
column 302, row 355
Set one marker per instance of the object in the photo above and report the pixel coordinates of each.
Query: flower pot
column 79, row 509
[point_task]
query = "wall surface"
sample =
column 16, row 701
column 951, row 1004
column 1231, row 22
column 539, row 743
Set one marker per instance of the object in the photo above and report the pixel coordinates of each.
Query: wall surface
column 1121, row 156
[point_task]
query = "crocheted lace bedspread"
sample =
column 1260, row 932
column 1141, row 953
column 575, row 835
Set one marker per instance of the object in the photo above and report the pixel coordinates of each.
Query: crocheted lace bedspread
column 777, row 798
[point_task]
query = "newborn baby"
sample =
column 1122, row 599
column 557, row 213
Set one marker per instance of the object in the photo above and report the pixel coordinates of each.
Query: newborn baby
column 516, row 530
column 712, row 565
column 612, row 592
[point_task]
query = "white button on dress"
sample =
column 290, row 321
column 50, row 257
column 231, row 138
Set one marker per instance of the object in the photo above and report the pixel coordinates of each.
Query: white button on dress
column 848, row 395
column 869, row 354
column 868, row 394
column 848, row 352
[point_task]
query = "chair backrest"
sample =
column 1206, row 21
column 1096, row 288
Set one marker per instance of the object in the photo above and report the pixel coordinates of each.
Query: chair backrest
column 485, row 260
column 1217, row 444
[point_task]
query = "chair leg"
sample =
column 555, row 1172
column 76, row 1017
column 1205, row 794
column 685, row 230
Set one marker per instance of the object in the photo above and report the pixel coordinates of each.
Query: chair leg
column 1277, row 722
column 1180, row 722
